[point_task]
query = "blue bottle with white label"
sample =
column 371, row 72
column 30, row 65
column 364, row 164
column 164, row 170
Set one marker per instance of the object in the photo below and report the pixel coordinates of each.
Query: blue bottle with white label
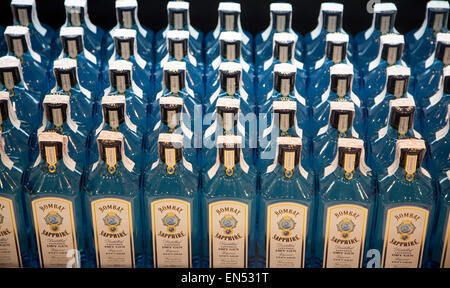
column 178, row 43
column 421, row 42
column 340, row 88
column 15, row 140
column 77, row 16
column 127, row 18
column 374, row 73
column 441, row 232
column 88, row 66
column 428, row 73
column 125, row 48
column 16, row 251
column 398, row 85
column 113, row 207
column 399, row 125
column 172, row 207
column 229, row 21
column 286, row 209
column 122, row 83
column 41, row 35
column 54, row 205
column 345, row 208
column 329, row 21
column 280, row 21
column 34, row 67
column 229, row 208
column 405, row 209
column 179, row 19
column 24, row 101
column 367, row 43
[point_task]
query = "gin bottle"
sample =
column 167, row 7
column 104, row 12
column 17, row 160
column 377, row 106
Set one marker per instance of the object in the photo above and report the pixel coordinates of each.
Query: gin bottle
column 405, row 208
column 113, row 206
column 229, row 208
column 172, row 207
column 345, row 208
column 286, row 209
column 55, row 204
column 439, row 160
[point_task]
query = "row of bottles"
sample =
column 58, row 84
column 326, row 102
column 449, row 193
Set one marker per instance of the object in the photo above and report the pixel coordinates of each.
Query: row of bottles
column 119, row 176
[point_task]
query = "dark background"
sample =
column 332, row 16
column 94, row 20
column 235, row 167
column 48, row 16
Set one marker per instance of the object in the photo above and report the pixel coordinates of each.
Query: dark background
column 255, row 14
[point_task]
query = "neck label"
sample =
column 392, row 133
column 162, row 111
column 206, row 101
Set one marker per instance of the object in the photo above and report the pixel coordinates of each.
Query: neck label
column 391, row 57
column 127, row 19
column 337, row 54
column 66, row 83
column 405, row 233
column 231, row 52
column 345, row 236
column 438, row 21
column 281, row 23
column 341, row 89
column 54, row 225
column 72, row 49
column 343, row 123
column 75, row 18
column 231, row 86
column 403, row 125
column 125, row 49
column 9, row 249
column 23, row 16
column 58, row 121
column 399, row 88
column 229, row 22
column 228, row 234
column 283, row 54
column 286, row 235
column 178, row 53
column 332, row 23
column 113, row 116
column 121, row 83
column 285, row 87
column 17, row 47
column 113, row 230
column 178, row 21
column 446, row 58
column 385, row 24
column 171, row 229
column 8, row 80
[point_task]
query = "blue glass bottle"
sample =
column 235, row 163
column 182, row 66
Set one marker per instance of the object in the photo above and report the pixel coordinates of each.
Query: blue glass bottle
column 441, row 232
column 405, row 209
column 230, row 51
column 88, row 66
column 3, row 47
column 341, row 119
column 81, row 100
column 229, row 21
column 77, row 16
column 122, row 83
column 229, row 208
column 41, row 35
column 280, row 21
column 172, row 207
column 125, row 48
column 179, row 19
column 16, row 251
column 398, row 85
column 34, row 67
column 435, row 111
column 345, row 208
column 367, row 43
column 16, row 140
column 286, row 209
column 58, row 116
column 113, row 207
column 439, row 143
column 230, row 84
column 329, row 21
column 127, row 18
column 374, row 74
column 429, row 72
column 421, row 42
column 23, row 100
column 340, row 88
column 114, row 117
column 399, row 125
column 55, row 205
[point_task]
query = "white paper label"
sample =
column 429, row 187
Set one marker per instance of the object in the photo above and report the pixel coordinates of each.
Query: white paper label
column 121, row 85
column 72, row 48
column 172, row 119
column 228, row 121
column 399, row 86
column 283, row 54
column 332, row 23
column 385, row 22
column 113, row 230
column 446, row 58
column 57, row 117
column 75, row 18
column 341, row 88
column 345, row 235
column 17, row 47
column 438, row 22
column 178, row 21
column 281, row 23
column 349, row 162
column 65, row 81
column 231, row 85
column 391, row 55
column 178, row 51
column 228, row 234
column 125, row 50
column 337, row 54
column 284, row 122
column 9, row 241
column 286, row 235
column 8, row 80
column 404, row 237
column 343, row 123
column 171, row 228
column 113, row 116
column 229, row 22
column 285, row 88
column 445, row 262
column 231, row 52
column 174, row 83
column 55, row 230
column 170, row 156
column 23, row 16
column 127, row 19
column 228, row 158
column 403, row 125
